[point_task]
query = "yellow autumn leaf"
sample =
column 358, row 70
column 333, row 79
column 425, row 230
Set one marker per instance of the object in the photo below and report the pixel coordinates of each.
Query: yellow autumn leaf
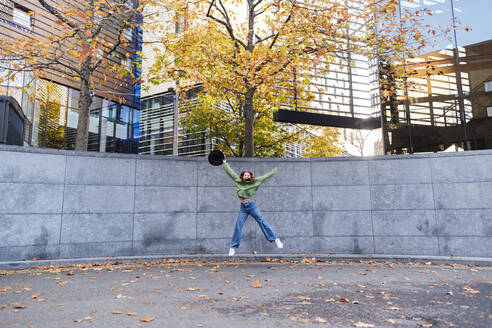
column 256, row 284
column 362, row 325
column 147, row 319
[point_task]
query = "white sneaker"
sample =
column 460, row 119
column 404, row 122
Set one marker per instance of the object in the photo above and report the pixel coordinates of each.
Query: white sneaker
column 279, row 243
column 231, row 251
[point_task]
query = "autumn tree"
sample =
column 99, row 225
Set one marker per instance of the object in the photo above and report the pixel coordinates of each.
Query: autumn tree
column 323, row 142
column 222, row 120
column 249, row 50
column 83, row 44
column 358, row 139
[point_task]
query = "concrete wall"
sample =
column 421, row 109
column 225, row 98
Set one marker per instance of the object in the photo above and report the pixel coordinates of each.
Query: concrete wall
column 63, row 204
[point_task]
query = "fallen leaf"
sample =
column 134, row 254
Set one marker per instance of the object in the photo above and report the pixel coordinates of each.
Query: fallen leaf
column 363, row 325
column 132, row 314
column 147, row 319
column 469, row 290
column 319, row 319
column 256, row 284
column 34, row 296
column 116, row 312
column 343, row 299
column 395, row 308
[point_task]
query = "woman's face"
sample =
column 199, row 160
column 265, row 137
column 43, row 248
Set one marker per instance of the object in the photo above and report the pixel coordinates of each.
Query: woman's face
column 246, row 176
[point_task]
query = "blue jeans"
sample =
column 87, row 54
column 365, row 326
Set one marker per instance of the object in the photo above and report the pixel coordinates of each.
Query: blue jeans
column 251, row 209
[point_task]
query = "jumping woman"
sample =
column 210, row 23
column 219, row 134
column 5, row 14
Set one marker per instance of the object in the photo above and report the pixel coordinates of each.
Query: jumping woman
column 246, row 186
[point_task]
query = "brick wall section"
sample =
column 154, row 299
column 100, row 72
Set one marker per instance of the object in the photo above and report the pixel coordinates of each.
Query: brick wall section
column 65, row 204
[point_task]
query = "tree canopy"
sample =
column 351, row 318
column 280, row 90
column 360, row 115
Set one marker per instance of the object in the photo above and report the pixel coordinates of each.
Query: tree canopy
column 246, row 52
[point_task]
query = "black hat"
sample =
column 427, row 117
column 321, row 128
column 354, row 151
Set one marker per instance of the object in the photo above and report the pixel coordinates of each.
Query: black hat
column 216, row 157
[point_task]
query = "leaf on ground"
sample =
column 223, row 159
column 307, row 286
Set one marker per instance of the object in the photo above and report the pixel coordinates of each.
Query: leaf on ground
column 256, row 284
column 363, row 325
column 469, row 290
column 192, row 289
column 147, row 319
column 86, row 319
column 62, row 283
column 116, row 312
column 303, row 298
column 319, row 319
column 343, row 299
column 183, row 307
column 34, row 296
column 18, row 306
column 132, row 314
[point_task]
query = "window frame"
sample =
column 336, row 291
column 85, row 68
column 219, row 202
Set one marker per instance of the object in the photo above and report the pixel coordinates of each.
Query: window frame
column 25, row 11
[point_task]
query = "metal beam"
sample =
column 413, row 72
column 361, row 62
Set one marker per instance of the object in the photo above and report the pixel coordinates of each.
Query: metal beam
column 290, row 116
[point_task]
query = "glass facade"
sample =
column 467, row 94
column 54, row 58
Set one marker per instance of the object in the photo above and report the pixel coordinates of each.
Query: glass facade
column 112, row 127
column 446, row 102
column 158, row 128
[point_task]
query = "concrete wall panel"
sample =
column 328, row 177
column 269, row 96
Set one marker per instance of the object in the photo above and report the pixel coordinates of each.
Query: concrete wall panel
column 403, row 197
column 99, row 227
column 65, row 204
column 342, row 223
column 100, row 171
column 462, row 169
column 98, row 199
column 404, row 223
column 340, row 198
column 166, row 173
column 335, row 174
column 30, row 198
column 32, row 168
column 400, row 171
column 165, row 199
column 29, row 229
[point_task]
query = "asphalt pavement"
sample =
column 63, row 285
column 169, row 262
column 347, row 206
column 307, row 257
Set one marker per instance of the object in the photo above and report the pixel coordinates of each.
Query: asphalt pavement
column 241, row 293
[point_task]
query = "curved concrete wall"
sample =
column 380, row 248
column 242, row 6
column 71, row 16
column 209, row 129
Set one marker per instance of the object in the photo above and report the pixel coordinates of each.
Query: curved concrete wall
column 64, row 204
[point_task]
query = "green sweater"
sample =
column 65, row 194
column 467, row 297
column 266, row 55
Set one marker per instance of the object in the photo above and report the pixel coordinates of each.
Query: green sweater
column 246, row 189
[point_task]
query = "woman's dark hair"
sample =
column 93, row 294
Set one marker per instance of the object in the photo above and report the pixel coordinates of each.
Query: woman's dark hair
column 250, row 173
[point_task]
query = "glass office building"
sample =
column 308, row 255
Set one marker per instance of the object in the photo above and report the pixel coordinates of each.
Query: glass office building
column 52, row 116
column 447, row 104
column 160, row 131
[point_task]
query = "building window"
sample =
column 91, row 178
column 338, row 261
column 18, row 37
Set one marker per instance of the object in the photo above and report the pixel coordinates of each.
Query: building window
column 488, row 86
column 22, row 16
column 489, row 111
column 128, row 33
column 5, row 9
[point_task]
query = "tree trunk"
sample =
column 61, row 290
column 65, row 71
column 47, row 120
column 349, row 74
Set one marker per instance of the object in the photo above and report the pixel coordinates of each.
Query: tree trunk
column 85, row 101
column 249, row 117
